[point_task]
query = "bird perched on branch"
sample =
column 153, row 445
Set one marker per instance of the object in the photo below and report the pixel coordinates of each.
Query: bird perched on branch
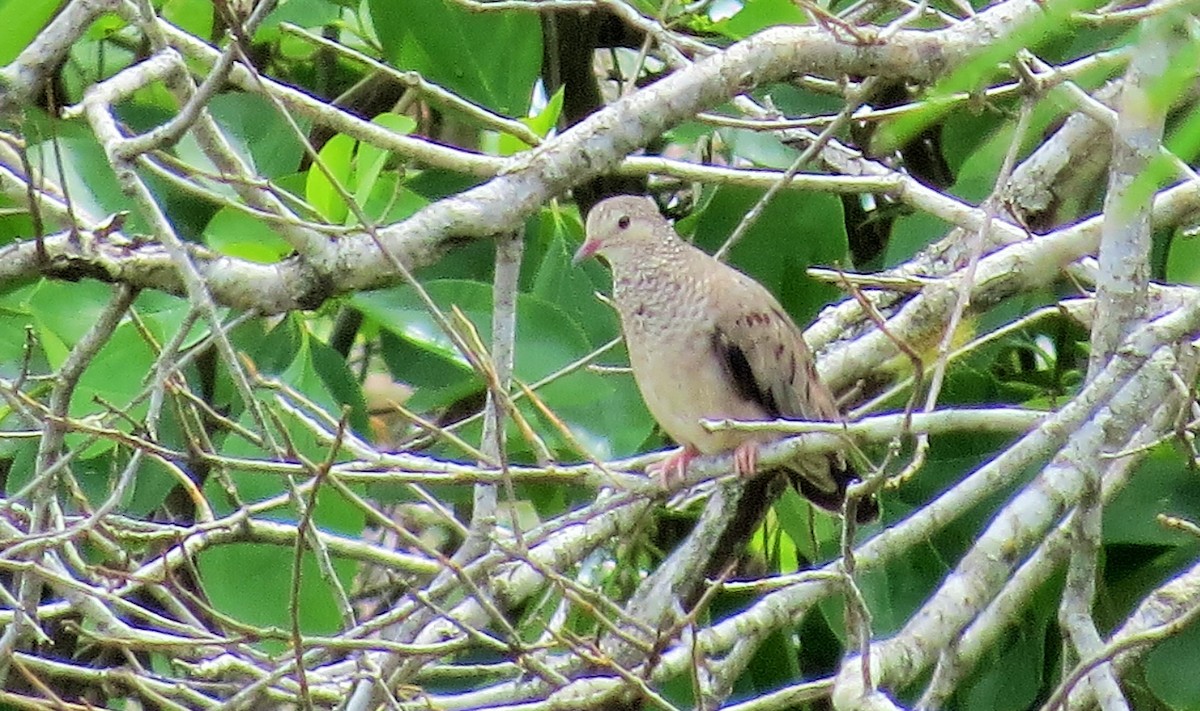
column 706, row 341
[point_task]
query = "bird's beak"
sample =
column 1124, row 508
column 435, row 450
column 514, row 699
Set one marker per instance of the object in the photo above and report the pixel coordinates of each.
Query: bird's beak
column 585, row 251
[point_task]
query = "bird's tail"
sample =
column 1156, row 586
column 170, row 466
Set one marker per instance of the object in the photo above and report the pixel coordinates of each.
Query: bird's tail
column 820, row 479
column 823, row 480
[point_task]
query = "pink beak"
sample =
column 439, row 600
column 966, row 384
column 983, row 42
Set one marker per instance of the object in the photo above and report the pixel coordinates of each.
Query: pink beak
column 586, row 251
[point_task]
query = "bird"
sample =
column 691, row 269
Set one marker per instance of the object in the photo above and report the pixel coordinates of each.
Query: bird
column 706, row 341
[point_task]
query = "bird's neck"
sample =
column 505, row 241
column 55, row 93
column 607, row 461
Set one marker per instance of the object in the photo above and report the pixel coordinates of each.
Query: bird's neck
column 659, row 286
column 646, row 268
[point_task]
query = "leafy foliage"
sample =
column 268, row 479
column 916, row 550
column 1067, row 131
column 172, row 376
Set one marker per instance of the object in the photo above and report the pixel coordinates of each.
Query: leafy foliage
column 262, row 485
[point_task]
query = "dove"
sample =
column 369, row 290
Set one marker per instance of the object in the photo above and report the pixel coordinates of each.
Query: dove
column 706, row 341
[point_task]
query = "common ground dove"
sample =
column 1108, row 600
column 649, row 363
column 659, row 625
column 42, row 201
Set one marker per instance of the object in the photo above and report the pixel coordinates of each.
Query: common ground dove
column 707, row 341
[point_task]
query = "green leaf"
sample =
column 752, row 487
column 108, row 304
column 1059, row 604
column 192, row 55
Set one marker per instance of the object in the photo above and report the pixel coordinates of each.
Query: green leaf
column 814, row 535
column 22, row 21
column 361, row 170
column 760, row 147
column 20, row 458
column 245, row 236
column 899, row 588
column 117, row 373
column 153, row 481
column 1012, row 673
column 228, row 571
column 303, row 13
column 1183, row 259
column 756, row 15
column 552, row 339
column 370, row 160
column 573, row 288
column 418, row 352
column 88, row 176
column 462, row 50
column 258, row 130
column 392, row 201
column 1171, row 669
column 192, row 16
column 1183, row 139
column 910, row 234
column 319, row 191
column 540, row 123
column 63, row 312
column 321, row 374
column 545, row 120
column 604, row 412
column 338, row 384
column 437, row 375
column 274, row 350
column 60, row 314
column 162, row 314
column 1163, row 484
column 795, row 231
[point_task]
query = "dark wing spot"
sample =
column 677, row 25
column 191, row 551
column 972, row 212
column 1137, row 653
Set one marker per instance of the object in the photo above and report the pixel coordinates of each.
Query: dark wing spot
column 753, row 319
column 741, row 375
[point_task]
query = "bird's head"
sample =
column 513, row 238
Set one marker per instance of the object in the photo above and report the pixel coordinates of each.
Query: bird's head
column 623, row 227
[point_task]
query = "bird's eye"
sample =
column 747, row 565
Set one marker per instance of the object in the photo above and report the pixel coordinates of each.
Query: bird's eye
column 623, row 222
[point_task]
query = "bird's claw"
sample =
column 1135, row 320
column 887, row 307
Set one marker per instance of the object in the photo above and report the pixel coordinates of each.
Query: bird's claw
column 745, row 459
column 673, row 470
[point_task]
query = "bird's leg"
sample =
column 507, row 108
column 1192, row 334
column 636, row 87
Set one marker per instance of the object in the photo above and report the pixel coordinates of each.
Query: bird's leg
column 745, row 459
column 672, row 470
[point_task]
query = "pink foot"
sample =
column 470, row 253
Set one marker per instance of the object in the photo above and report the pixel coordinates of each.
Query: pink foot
column 745, row 459
column 672, row 470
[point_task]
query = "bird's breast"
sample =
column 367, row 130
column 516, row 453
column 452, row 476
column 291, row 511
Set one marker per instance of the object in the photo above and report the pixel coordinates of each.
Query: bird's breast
column 668, row 333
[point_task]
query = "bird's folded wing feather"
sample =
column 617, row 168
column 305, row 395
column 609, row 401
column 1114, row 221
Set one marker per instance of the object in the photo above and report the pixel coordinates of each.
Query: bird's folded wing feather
column 767, row 361
column 766, row 357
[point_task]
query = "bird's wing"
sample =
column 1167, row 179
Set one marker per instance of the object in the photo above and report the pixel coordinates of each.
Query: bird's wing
column 767, row 362
column 764, row 353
